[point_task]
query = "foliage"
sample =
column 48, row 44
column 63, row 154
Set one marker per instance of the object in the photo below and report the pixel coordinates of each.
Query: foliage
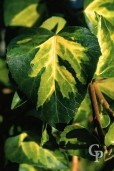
column 60, row 85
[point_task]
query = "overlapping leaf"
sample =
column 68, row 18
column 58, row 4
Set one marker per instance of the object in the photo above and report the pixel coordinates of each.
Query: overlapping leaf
column 104, row 76
column 77, row 140
column 106, row 40
column 84, row 114
column 57, row 24
column 22, row 13
column 23, row 149
column 53, row 70
column 104, row 8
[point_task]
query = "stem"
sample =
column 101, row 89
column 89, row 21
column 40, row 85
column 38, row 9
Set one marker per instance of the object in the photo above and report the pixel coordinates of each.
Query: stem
column 75, row 164
column 102, row 99
column 96, row 111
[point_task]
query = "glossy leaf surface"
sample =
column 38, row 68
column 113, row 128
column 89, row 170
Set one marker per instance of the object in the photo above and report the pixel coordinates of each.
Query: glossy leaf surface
column 52, row 70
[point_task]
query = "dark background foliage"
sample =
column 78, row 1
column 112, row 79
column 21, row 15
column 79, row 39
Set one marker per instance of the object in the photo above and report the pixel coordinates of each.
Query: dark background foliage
column 72, row 12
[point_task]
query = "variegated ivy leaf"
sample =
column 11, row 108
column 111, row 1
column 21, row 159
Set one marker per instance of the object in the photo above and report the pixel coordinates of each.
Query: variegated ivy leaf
column 76, row 139
column 104, row 8
column 24, row 149
column 54, row 70
column 23, row 13
column 57, row 24
column 107, row 87
column 105, row 67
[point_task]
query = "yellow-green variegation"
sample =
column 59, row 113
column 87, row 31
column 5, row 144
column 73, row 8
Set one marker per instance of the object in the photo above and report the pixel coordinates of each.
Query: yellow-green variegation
column 105, row 67
column 25, row 149
column 53, row 70
column 23, row 13
column 93, row 8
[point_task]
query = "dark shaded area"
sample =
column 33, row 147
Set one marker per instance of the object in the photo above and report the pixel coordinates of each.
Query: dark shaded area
column 20, row 117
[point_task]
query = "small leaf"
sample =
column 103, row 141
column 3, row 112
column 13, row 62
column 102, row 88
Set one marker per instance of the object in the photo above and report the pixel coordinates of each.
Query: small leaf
column 23, row 149
column 84, row 114
column 76, row 140
column 109, row 154
column 105, row 120
column 57, row 24
column 53, row 70
column 17, row 101
column 22, row 13
column 45, row 136
column 109, row 138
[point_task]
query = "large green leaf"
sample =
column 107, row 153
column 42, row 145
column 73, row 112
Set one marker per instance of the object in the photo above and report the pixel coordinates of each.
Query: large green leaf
column 23, row 149
column 54, row 70
column 76, row 140
column 104, row 8
column 22, row 13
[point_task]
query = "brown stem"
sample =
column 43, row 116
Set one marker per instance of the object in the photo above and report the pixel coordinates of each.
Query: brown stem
column 96, row 111
column 102, row 99
column 94, row 102
column 75, row 164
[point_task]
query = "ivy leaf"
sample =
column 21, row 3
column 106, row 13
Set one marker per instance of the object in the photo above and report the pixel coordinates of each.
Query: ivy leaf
column 22, row 13
column 106, row 86
column 105, row 120
column 106, row 39
column 57, row 24
column 17, row 101
column 109, row 138
column 76, row 140
column 103, row 8
column 84, row 114
column 45, row 136
column 54, row 70
column 23, row 149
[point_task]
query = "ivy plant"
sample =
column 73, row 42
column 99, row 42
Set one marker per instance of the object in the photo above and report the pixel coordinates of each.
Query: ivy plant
column 62, row 78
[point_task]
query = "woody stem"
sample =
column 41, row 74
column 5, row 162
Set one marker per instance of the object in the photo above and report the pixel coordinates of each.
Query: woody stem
column 75, row 164
column 96, row 111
